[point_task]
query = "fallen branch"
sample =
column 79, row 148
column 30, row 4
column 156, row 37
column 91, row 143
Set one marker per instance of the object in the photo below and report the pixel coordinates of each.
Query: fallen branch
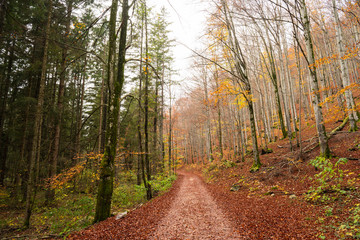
column 33, row 237
column 340, row 127
column 312, row 148
column 333, row 132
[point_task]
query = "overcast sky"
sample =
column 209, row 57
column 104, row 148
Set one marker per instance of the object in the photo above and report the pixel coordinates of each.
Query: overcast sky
column 188, row 20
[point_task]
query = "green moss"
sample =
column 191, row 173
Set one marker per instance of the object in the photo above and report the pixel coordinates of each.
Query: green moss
column 255, row 167
column 326, row 154
column 353, row 129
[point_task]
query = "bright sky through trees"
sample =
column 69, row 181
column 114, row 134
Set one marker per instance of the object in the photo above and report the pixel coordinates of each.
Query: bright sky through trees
column 188, row 21
column 188, row 24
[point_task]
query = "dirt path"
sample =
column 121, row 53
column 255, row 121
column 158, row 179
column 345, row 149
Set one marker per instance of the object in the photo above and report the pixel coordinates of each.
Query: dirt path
column 187, row 211
column 194, row 215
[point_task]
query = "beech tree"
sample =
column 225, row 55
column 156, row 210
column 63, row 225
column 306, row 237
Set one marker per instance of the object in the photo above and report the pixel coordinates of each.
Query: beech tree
column 323, row 141
column 268, row 47
column 352, row 114
column 241, row 75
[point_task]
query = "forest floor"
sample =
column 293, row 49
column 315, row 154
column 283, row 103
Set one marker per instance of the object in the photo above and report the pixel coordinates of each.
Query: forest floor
column 187, row 211
column 222, row 201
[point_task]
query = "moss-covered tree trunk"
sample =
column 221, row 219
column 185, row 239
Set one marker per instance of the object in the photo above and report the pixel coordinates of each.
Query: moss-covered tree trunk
column 105, row 190
column 146, row 108
column 256, row 165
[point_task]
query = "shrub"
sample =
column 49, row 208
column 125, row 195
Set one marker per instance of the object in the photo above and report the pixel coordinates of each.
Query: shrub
column 73, row 215
column 127, row 195
column 162, row 183
column 227, row 164
column 327, row 181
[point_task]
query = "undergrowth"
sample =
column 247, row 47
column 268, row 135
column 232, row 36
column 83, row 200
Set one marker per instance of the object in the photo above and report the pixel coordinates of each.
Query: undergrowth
column 73, row 211
column 331, row 187
column 212, row 169
column 328, row 184
column 351, row 227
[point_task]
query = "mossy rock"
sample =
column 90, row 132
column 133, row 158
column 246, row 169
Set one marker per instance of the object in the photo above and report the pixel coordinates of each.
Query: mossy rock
column 235, row 188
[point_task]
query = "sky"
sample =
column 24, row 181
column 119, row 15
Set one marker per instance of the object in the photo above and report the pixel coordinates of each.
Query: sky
column 188, row 20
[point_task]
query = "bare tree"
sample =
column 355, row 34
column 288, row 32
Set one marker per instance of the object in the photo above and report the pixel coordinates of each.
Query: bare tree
column 352, row 114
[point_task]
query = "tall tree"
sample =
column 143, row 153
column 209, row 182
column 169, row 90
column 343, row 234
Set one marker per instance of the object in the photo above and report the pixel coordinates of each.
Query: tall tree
column 35, row 150
column 323, row 140
column 60, row 105
column 105, row 189
column 352, row 114
column 146, row 109
column 243, row 78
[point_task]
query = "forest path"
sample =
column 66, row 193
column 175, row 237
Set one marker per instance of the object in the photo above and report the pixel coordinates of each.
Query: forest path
column 194, row 215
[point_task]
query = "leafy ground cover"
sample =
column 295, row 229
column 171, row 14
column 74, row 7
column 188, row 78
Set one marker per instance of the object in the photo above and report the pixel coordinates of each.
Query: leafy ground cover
column 291, row 197
column 138, row 224
column 72, row 211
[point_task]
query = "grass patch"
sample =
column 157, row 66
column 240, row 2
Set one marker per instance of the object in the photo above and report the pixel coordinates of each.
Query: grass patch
column 73, row 211
column 73, row 214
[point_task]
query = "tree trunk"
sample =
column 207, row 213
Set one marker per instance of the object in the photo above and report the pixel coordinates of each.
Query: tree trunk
column 141, row 163
column 37, row 123
column 80, row 110
column 323, row 141
column 285, row 98
column 50, row 193
column 170, row 133
column 4, row 137
column 344, row 71
column 146, row 109
column 155, row 125
column 210, row 156
column 161, row 127
column 256, row 165
column 298, row 66
column 105, row 189
column 219, row 117
column 101, row 114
